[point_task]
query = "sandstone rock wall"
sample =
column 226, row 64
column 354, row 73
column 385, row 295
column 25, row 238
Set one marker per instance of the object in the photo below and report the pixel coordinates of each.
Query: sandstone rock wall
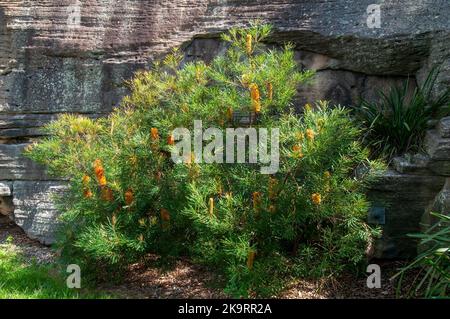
column 72, row 56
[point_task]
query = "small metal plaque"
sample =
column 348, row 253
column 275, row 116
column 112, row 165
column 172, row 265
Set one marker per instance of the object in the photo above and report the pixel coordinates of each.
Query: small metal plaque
column 245, row 118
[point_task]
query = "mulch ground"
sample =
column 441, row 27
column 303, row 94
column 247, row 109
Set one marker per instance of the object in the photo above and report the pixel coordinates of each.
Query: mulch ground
column 146, row 280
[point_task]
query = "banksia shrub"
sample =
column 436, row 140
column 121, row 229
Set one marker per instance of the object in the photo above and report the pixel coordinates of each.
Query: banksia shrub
column 304, row 219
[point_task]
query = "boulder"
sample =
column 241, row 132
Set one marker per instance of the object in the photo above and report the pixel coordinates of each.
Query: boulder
column 35, row 211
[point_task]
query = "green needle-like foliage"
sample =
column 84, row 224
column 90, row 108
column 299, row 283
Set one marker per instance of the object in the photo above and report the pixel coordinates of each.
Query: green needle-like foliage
column 127, row 197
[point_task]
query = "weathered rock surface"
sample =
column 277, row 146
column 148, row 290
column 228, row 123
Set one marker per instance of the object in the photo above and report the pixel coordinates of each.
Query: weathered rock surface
column 6, row 206
column 72, row 56
column 405, row 198
column 14, row 166
column 35, row 211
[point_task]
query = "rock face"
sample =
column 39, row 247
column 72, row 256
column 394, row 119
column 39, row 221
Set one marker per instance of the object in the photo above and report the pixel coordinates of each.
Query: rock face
column 72, row 56
column 34, row 208
column 416, row 186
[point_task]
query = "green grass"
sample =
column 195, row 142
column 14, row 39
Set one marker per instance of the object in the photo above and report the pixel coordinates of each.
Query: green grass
column 22, row 280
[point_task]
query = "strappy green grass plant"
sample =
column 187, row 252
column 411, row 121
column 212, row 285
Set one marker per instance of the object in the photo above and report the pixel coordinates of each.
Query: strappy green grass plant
column 396, row 124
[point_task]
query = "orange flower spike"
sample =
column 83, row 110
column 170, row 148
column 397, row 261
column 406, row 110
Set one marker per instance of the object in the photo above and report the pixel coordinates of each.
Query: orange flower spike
column 86, row 179
column 153, row 220
column 269, row 91
column 102, row 180
column 251, row 258
column 87, row 193
column 165, row 215
column 256, row 201
column 129, row 197
column 327, row 176
column 316, row 198
column 107, row 194
column 254, row 94
column 211, row 206
column 170, row 140
column 248, row 44
column 300, row 136
column 99, row 172
column 188, row 159
column 273, row 183
column 198, row 74
column 185, row 108
column 244, row 80
column 230, row 114
column 310, row 134
column 98, row 168
column 114, row 220
column 154, row 134
column 134, row 160
column 297, row 151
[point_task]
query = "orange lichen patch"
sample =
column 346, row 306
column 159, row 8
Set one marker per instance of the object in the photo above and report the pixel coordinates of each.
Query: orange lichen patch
column 255, row 96
column 316, row 198
column 251, row 258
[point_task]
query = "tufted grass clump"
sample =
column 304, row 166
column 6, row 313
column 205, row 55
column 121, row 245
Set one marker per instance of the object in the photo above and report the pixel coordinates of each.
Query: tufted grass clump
column 21, row 279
